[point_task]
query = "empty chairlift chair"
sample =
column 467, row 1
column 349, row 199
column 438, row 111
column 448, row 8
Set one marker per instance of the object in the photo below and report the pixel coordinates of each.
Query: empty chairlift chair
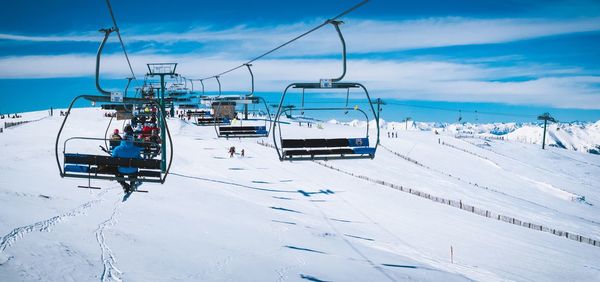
column 325, row 148
column 331, row 147
column 242, row 126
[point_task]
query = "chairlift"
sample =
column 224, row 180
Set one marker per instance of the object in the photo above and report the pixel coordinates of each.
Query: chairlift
column 326, row 148
column 102, row 167
column 105, row 167
column 242, row 126
column 207, row 116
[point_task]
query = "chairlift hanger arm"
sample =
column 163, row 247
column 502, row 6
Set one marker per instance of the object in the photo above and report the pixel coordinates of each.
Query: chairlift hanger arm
column 107, row 32
column 219, row 82
column 336, row 24
column 127, row 87
column 251, row 79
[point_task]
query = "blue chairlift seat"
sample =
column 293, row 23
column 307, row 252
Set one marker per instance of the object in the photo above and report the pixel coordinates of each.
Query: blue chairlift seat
column 327, row 148
column 243, row 131
column 148, row 169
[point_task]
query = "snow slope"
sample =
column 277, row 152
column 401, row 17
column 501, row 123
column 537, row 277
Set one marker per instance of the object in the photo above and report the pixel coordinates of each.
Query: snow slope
column 257, row 219
column 578, row 136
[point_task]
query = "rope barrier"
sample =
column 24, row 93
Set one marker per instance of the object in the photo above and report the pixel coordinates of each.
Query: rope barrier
column 459, row 204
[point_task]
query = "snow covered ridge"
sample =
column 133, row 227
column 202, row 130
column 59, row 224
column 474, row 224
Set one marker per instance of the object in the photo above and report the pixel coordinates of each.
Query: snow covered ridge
column 578, row 136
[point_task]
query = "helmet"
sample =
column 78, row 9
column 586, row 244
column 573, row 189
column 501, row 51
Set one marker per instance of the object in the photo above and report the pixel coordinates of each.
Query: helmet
column 116, row 131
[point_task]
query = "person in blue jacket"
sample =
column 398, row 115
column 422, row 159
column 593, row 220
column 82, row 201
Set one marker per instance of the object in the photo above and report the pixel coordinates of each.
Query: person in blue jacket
column 127, row 149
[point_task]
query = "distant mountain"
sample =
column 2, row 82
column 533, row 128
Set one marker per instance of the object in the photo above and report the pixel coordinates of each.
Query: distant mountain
column 576, row 136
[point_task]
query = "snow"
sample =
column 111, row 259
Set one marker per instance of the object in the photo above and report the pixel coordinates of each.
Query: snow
column 578, row 136
column 255, row 218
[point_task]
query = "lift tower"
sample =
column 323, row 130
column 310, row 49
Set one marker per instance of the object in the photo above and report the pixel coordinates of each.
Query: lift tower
column 161, row 70
column 546, row 118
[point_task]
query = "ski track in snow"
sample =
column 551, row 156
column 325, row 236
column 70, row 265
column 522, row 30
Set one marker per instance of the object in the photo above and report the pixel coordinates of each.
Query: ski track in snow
column 109, row 262
column 474, row 184
column 524, row 163
column 523, row 177
column 398, row 245
column 574, row 159
column 351, row 245
column 546, row 187
column 220, row 266
column 44, row 225
column 282, row 273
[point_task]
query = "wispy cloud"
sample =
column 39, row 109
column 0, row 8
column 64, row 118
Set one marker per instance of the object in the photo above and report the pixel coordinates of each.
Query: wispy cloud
column 363, row 36
column 49, row 38
column 465, row 79
column 424, row 80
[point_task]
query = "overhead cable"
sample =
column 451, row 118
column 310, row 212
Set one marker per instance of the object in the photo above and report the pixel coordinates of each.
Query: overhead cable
column 112, row 15
column 291, row 40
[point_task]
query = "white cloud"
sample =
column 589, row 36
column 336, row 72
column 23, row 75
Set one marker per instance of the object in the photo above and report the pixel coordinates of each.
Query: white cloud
column 423, row 80
column 467, row 81
column 363, row 36
column 438, row 32
column 49, row 38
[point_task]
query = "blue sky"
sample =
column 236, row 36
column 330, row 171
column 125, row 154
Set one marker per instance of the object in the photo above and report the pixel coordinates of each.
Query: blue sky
column 513, row 56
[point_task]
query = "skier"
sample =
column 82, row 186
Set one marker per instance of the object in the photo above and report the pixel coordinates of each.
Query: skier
column 231, row 151
column 127, row 150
